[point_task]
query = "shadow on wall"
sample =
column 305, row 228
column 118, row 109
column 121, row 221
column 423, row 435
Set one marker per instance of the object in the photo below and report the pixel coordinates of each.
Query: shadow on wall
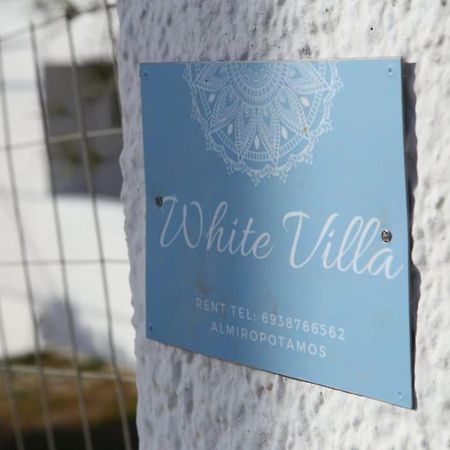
column 409, row 101
column 101, row 117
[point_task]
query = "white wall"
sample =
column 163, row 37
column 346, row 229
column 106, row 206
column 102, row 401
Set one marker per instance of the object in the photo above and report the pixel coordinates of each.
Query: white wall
column 190, row 401
column 31, row 166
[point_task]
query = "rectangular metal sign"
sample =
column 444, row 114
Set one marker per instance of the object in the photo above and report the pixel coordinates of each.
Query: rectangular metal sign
column 277, row 232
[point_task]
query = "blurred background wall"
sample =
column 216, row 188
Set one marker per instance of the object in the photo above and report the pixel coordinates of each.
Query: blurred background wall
column 190, row 401
column 66, row 339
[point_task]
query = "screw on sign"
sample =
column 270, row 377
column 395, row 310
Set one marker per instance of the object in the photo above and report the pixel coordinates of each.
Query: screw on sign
column 159, row 201
column 386, row 235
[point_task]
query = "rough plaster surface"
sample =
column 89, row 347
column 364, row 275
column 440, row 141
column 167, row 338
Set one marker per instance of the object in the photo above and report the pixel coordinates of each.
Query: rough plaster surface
column 190, row 401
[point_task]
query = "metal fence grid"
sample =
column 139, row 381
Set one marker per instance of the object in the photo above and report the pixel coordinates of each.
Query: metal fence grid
column 44, row 374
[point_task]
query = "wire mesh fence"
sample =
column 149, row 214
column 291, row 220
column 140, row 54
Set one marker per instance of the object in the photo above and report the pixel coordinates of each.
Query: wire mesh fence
column 42, row 382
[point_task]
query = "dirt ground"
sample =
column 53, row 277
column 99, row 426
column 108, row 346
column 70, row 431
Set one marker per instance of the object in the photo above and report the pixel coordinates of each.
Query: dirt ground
column 101, row 403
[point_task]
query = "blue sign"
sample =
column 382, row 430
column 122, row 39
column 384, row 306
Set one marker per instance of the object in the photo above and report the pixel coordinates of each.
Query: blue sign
column 277, row 232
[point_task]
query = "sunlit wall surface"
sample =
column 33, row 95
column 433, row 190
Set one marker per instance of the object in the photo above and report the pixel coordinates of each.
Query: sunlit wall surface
column 190, row 401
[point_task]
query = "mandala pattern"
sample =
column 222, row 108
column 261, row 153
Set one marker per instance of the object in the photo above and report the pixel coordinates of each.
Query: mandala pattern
column 263, row 119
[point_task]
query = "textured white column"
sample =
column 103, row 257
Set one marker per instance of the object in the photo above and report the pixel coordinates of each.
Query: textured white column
column 190, row 401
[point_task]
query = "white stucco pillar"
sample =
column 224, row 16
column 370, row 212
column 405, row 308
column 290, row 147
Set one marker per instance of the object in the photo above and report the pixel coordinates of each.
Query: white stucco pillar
column 193, row 402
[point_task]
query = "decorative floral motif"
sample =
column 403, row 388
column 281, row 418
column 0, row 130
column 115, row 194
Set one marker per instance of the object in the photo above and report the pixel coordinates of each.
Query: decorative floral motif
column 262, row 118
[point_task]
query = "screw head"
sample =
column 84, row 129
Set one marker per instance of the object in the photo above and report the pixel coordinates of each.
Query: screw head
column 159, row 201
column 386, row 236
